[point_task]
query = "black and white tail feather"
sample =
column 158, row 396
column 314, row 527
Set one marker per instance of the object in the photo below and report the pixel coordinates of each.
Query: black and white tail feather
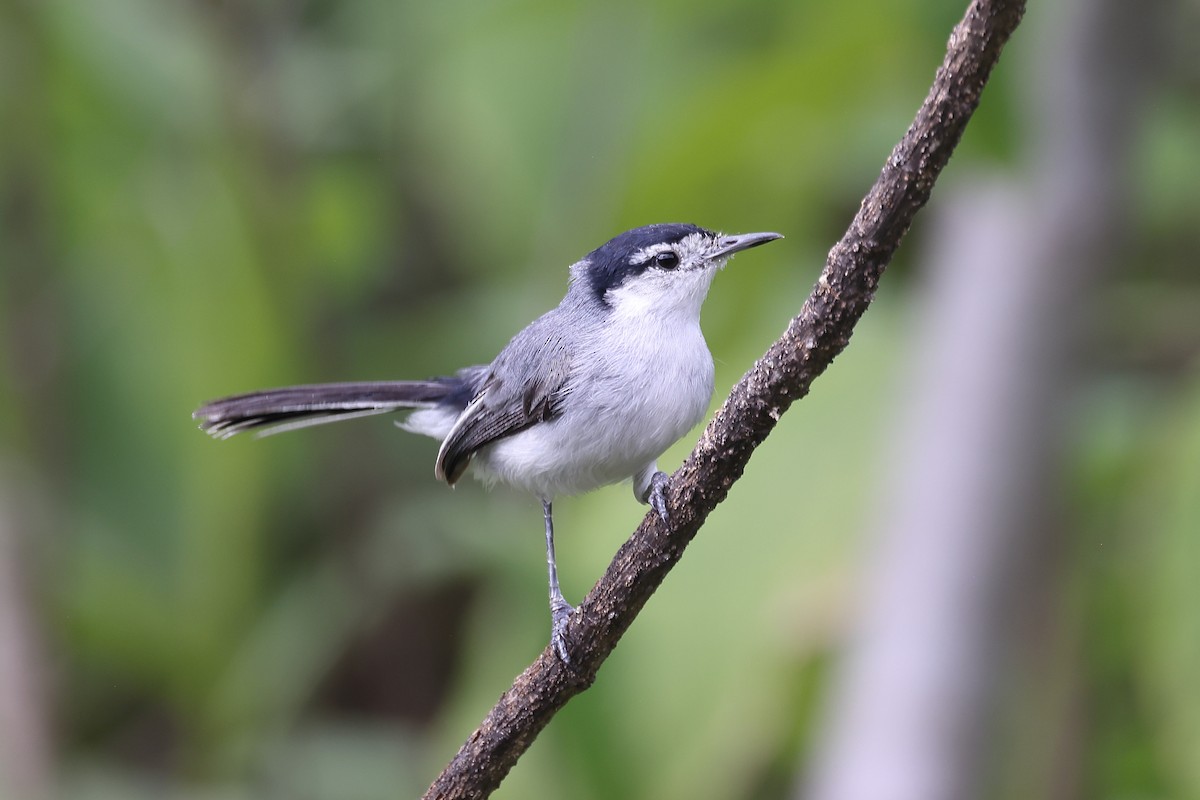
column 271, row 411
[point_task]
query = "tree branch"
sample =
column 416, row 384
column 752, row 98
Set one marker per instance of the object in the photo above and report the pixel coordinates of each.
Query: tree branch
column 784, row 374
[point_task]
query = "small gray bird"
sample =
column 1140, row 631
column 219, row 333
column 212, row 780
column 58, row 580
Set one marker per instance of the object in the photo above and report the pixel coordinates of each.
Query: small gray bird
column 589, row 394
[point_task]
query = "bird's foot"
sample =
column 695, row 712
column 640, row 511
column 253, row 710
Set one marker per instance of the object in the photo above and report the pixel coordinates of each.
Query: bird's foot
column 560, row 612
column 658, row 495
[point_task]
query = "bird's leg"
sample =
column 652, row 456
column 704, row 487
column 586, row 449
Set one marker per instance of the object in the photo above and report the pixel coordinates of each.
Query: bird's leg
column 560, row 609
column 650, row 486
column 658, row 495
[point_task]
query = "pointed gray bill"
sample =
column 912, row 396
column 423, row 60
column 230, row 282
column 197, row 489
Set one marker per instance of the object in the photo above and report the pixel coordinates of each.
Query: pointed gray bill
column 728, row 245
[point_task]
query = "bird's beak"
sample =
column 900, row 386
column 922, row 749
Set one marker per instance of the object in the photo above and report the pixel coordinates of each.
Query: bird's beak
column 728, row 245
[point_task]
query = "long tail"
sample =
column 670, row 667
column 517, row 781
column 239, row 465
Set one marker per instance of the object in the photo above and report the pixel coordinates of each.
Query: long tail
column 291, row 407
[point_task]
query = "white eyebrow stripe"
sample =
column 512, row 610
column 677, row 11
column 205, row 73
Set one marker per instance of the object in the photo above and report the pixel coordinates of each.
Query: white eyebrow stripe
column 647, row 253
column 688, row 248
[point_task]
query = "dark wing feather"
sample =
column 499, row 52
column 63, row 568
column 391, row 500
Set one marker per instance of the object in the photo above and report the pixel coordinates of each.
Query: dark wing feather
column 503, row 408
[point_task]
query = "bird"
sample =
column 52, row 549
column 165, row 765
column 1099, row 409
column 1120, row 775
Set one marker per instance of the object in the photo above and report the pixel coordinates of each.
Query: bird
column 589, row 394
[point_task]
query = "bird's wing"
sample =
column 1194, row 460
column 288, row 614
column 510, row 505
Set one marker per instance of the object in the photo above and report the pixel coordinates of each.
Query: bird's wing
column 509, row 401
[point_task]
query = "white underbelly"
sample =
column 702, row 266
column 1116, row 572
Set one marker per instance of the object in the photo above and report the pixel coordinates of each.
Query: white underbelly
column 609, row 427
column 605, row 438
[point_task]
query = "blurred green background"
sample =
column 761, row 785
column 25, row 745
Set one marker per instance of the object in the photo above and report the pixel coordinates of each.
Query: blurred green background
column 201, row 198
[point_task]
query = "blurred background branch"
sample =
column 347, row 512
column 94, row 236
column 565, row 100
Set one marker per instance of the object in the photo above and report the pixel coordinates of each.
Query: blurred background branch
column 26, row 767
column 971, row 538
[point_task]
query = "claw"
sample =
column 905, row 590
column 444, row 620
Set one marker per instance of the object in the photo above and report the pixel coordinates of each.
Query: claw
column 559, row 614
column 658, row 495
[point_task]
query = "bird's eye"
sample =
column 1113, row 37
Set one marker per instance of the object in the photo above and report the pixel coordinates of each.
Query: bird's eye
column 667, row 260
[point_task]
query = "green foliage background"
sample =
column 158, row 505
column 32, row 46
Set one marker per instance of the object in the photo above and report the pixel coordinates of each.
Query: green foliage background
column 205, row 198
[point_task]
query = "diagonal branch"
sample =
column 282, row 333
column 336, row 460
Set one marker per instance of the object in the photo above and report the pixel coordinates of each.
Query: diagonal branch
column 784, row 374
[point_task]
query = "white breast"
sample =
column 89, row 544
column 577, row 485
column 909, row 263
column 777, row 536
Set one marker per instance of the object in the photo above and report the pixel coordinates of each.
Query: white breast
column 643, row 382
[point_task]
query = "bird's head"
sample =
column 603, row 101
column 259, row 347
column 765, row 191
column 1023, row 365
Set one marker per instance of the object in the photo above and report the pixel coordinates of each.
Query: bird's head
column 660, row 268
